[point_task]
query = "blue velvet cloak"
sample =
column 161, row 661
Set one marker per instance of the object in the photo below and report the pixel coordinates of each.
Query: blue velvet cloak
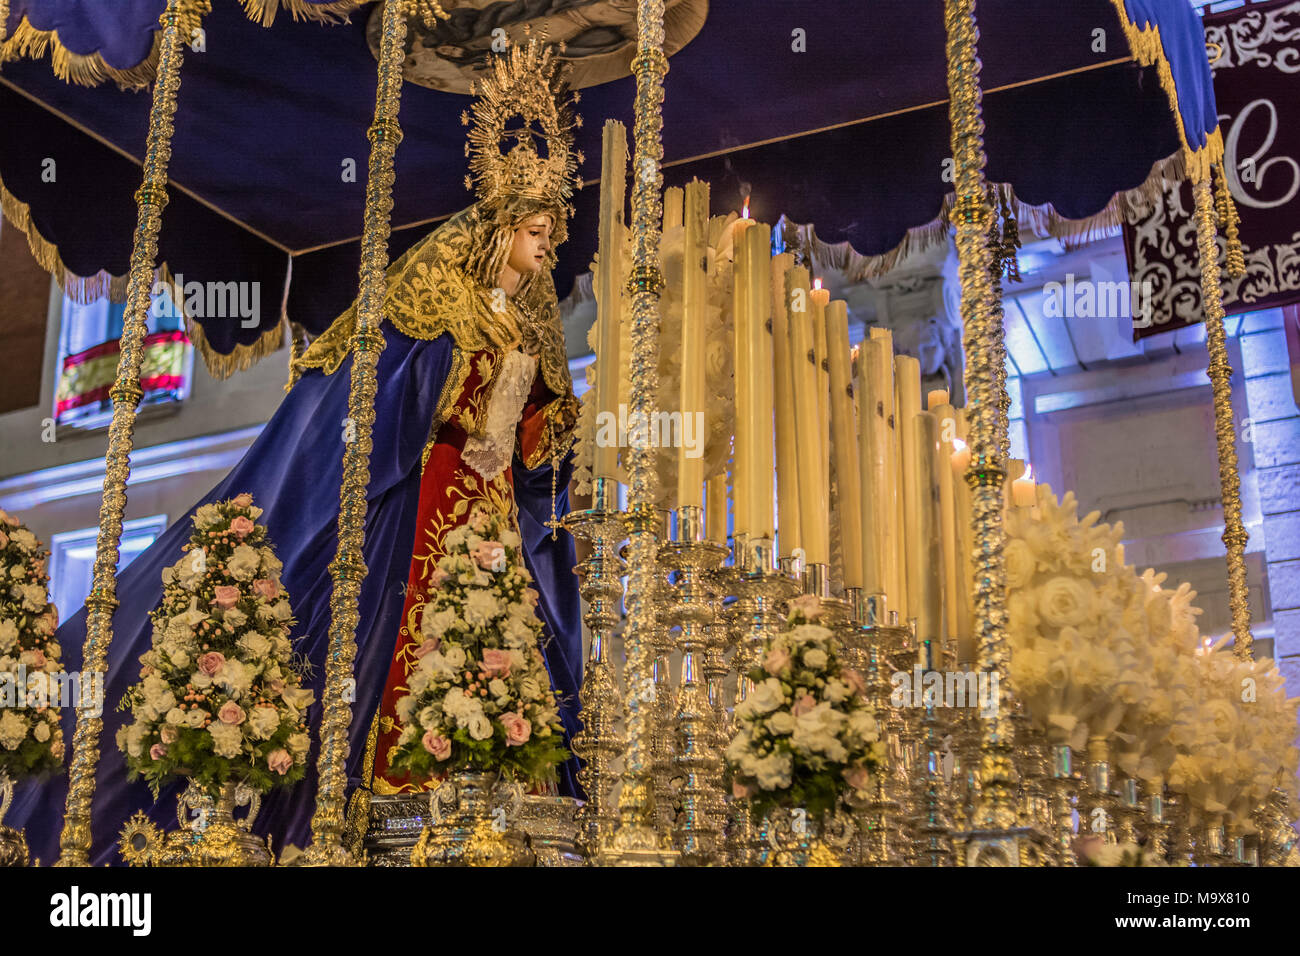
column 294, row 471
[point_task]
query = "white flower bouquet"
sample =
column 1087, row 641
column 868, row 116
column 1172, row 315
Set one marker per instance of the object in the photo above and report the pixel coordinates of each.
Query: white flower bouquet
column 219, row 697
column 806, row 734
column 480, row 697
column 31, row 741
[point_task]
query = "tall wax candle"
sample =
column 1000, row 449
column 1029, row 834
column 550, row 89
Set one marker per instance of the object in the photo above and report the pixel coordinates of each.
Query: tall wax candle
column 875, row 479
column 844, row 443
column 609, row 288
column 895, row 554
column 814, row 513
column 761, row 375
column 926, row 548
column 672, row 208
column 907, row 383
column 741, row 357
column 948, row 519
column 690, row 467
column 821, row 298
column 961, row 460
column 787, row 444
column 715, row 520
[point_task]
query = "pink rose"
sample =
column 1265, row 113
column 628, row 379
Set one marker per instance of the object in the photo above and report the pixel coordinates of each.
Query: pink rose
column 265, row 588
column 804, row 704
column 428, row 647
column 38, row 658
column 211, row 662
column 438, row 578
column 778, row 658
column 242, row 527
column 46, row 625
column 741, row 791
column 490, row 555
column 857, row 777
column 157, row 751
column 857, row 683
column 225, row 596
column 437, row 745
column 169, row 734
column 279, row 761
column 518, row 729
column 478, row 521
column 496, row 663
column 242, row 500
column 277, row 686
column 4, row 540
column 807, row 604
column 231, row 713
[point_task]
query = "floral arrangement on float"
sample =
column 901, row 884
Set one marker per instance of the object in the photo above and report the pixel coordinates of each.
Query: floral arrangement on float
column 31, row 740
column 805, row 734
column 480, row 697
column 219, row 699
column 1111, row 664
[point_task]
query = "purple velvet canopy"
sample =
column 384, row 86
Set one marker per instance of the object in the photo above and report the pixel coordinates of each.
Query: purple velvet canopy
column 833, row 113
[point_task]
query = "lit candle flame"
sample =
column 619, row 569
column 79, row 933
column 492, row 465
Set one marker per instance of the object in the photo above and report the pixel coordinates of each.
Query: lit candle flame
column 744, row 211
column 958, row 445
column 817, row 283
column 1029, row 473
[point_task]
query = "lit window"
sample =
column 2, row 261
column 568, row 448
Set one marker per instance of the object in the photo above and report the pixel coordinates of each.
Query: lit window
column 89, row 352
column 72, row 559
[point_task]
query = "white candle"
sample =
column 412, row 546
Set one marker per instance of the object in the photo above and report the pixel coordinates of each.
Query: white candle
column 948, row 520
column 813, row 511
column 907, row 384
column 1024, row 490
column 936, row 398
column 762, row 447
column 609, row 291
column 875, row 479
column 926, row 548
column 787, row 444
column 690, row 470
column 821, row 298
column 844, row 444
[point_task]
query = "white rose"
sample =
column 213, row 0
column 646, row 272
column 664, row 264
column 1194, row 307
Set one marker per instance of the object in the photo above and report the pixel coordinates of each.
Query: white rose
column 427, row 717
column 530, row 688
column 13, row 729
column 24, row 539
column 33, row 597
column 263, row 722
column 196, row 717
column 1021, row 563
column 480, row 728
column 455, row 657
column 175, row 717
column 243, row 562
column 135, row 739
column 781, row 722
column 439, row 623
column 814, row 658
column 481, row 607
column 206, row 516
column 497, row 687
column 766, row 697
column 41, row 731
column 298, row 745
column 1065, row 602
column 773, row 771
column 508, row 538
column 17, row 571
column 234, row 617
column 8, row 635
column 419, row 679
column 281, row 610
column 200, row 680
column 227, row 739
column 191, row 568
column 255, row 645
column 235, row 677
column 405, row 708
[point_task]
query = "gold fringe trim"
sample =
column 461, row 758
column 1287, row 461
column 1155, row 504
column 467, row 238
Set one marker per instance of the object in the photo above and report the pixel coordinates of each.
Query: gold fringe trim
column 1042, row 220
column 81, row 69
column 264, row 11
column 86, row 289
column 1148, row 49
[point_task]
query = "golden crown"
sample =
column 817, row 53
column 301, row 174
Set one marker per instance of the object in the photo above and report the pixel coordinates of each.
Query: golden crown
column 526, row 83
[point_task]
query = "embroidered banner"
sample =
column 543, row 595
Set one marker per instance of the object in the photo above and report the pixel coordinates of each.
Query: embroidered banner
column 1255, row 55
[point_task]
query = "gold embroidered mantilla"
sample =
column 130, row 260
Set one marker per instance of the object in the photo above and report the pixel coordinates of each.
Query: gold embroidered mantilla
column 432, row 289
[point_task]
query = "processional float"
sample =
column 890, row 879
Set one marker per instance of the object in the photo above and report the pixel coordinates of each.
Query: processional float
column 1006, row 814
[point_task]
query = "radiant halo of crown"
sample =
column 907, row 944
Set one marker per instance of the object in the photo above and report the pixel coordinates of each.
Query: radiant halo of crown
column 523, row 97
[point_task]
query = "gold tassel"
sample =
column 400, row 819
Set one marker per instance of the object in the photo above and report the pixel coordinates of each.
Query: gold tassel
column 298, row 342
column 1229, row 221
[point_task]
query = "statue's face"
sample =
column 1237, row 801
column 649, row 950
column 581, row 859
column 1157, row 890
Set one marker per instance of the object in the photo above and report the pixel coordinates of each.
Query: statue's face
column 532, row 242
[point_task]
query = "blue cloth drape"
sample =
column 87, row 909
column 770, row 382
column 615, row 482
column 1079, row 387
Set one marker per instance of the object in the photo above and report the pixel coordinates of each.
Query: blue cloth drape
column 294, row 472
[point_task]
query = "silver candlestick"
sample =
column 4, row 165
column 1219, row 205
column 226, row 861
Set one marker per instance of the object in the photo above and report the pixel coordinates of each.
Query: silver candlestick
column 599, row 742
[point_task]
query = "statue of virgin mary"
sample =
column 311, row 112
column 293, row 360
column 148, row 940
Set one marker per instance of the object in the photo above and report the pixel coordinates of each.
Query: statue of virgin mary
column 474, row 406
